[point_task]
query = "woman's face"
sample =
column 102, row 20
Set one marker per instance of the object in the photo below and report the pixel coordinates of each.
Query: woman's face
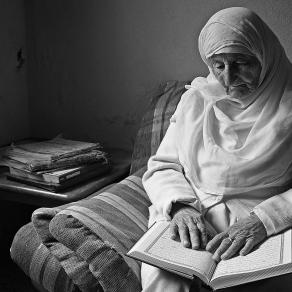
column 239, row 74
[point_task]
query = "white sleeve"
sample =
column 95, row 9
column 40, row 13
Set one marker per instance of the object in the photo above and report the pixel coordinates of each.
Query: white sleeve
column 164, row 180
column 276, row 212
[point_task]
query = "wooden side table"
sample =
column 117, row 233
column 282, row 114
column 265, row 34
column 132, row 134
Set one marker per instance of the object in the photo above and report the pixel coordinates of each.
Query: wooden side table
column 23, row 193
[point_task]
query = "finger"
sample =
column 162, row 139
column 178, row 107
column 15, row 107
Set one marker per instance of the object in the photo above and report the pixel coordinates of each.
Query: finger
column 194, row 235
column 184, row 235
column 203, row 233
column 250, row 243
column 224, row 245
column 173, row 230
column 233, row 249
column 214, row 243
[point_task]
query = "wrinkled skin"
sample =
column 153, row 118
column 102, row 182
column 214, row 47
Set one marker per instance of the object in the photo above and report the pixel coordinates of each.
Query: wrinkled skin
column 239, row 74
column 189, row 225
column 245, row 234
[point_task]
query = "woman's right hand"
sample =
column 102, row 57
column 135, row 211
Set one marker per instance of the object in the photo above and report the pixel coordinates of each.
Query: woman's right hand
column 189, row 225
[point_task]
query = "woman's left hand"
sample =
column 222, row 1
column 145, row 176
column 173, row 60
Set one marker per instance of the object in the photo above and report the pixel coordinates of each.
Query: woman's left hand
column 240, row 238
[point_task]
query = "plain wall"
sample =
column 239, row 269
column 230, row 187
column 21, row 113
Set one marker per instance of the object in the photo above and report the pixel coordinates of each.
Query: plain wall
column 94, row 64
column 14, row 119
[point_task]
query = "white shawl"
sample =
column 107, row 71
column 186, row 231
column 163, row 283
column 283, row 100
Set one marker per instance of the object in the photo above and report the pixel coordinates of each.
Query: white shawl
column 241, row 145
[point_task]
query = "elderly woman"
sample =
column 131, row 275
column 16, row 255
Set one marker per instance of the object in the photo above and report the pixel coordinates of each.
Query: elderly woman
column 226, row 158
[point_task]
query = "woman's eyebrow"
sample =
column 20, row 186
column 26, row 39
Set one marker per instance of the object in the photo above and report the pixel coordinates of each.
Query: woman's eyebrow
column 216, row 59
column 243, row 58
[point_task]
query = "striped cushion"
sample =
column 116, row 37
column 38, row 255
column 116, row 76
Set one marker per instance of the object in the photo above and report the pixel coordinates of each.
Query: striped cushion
column 155, row 122
column 89, row 238
column 32, row 251
column 38, row 263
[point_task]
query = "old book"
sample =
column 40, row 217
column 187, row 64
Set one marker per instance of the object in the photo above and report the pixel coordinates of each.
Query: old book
column 57, row 148
column 57, row 153
column 58, row 176
column 53, row 186
column 272, row 258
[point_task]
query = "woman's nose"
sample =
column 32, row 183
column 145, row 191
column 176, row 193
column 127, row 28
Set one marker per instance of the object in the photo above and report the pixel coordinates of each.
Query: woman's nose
column 228, row 76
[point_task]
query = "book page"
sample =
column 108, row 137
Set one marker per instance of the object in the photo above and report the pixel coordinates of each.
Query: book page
column 171, row 255
column 273, row 252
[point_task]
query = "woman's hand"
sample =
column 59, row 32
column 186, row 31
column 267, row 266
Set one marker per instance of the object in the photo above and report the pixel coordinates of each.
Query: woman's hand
column 188, row 224
column 240, row 238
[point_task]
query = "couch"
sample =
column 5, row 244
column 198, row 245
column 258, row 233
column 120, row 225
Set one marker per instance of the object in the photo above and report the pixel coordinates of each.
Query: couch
column 81, row 246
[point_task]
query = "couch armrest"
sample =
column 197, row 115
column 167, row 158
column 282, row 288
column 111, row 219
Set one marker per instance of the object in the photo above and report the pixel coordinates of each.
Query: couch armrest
column 90, row 238
column 38, row 263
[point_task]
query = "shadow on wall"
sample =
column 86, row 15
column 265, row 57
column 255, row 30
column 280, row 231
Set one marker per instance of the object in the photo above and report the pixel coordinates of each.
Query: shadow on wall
column 93, row 63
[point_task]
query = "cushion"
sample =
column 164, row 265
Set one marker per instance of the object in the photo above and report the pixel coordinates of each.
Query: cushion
column 38, row 263
column 89, row 238
column 155, row 122
column 30, row 253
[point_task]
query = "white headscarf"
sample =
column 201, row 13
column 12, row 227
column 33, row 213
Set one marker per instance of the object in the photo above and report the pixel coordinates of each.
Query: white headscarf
column 241, row 144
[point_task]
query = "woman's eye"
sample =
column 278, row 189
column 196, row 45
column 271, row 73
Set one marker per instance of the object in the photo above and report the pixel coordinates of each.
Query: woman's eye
column 218, row 66
column 242, row 63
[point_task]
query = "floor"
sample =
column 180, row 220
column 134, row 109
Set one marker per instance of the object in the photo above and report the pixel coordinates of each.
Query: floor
column 13, row 215
column 14, row 280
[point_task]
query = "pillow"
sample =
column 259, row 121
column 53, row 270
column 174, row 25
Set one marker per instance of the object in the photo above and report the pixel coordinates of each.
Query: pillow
column 155, row 122
column 90, row 238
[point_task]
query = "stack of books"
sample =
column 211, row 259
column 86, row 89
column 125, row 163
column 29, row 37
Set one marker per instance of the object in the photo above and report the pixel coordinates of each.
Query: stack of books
column 55, row 164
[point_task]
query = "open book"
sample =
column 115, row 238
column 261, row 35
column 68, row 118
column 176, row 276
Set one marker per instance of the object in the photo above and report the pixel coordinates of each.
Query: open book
column 271, row 258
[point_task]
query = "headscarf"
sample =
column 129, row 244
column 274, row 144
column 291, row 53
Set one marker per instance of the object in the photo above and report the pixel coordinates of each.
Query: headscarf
column 245, row 144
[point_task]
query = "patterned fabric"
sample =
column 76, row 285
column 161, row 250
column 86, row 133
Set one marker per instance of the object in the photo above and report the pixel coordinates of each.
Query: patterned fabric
column 155, row 122
column 81, row 246
column 89, row 238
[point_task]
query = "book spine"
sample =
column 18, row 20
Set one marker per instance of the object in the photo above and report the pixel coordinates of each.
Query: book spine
column 55, row 179
column 58, row 187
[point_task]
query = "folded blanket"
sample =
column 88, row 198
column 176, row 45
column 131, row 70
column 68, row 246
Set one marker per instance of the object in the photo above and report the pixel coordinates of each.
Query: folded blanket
column 89, row 238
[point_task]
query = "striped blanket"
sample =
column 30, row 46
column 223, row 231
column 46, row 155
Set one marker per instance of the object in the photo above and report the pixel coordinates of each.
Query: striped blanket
column 81, row 246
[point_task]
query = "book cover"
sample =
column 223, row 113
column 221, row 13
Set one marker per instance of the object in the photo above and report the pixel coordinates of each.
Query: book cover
column 158, row 249
column 54, row 154
column 55, row 148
